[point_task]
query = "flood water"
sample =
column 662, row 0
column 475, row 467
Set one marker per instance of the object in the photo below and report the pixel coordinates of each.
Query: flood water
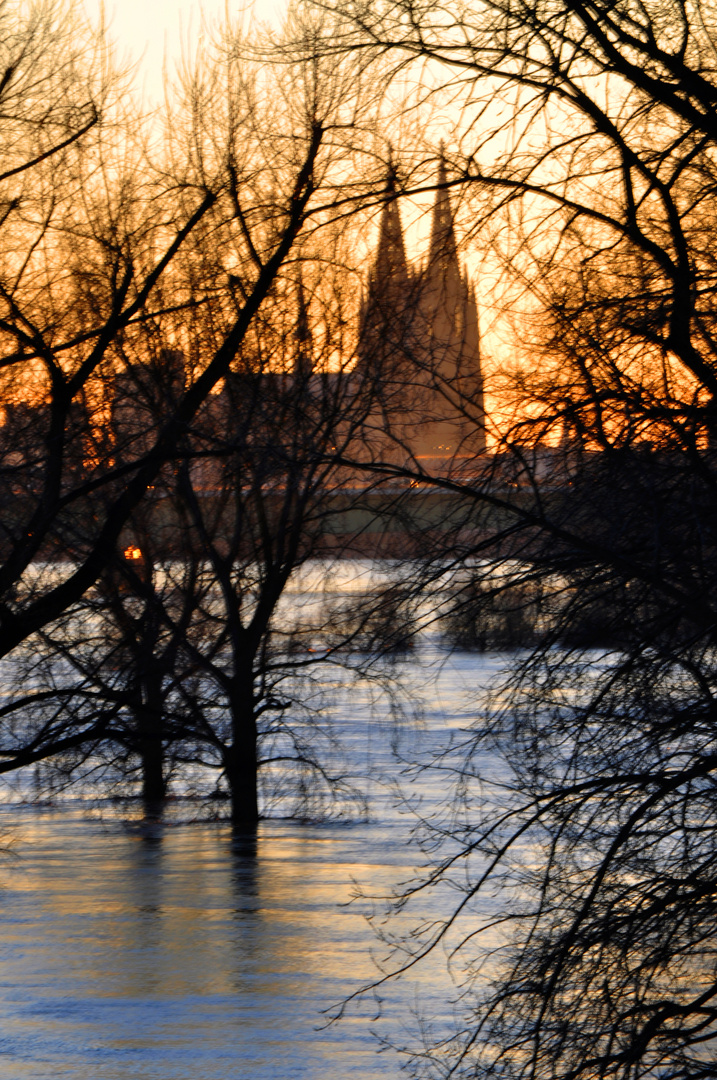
column 184, row 951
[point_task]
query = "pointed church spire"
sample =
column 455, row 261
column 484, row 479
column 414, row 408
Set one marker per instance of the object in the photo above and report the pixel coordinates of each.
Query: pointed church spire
column 391, row 264
column 387, row 310
column 443, row 251
column 443, row 295
column 419, row 340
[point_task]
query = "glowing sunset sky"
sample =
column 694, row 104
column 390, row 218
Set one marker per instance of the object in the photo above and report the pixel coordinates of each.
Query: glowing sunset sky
column 156, row 29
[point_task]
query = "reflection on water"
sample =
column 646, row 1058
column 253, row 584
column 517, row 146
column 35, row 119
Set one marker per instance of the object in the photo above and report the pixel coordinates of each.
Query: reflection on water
column 191, row 952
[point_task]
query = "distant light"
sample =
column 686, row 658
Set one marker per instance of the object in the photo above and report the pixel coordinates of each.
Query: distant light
column 132, row 552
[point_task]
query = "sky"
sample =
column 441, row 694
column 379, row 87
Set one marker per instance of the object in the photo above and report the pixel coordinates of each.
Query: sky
column 152, row 31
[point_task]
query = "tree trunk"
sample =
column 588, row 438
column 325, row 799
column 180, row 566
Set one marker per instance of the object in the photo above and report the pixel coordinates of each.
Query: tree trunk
column 240, row 759
column 150, row 728
column 154, row 786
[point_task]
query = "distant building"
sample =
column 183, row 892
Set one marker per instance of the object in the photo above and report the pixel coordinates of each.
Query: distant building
column 414, row 395
column 419, row 341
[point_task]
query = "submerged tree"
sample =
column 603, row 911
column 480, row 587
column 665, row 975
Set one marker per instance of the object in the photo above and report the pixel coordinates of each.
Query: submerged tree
column 100, row 238
column 205, row 654
column 140, row 255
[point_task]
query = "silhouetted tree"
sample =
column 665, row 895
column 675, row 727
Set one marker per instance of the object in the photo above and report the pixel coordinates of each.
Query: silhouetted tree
column 584, row 139
column 131, row 250
column 189, row 638
column 100, row 241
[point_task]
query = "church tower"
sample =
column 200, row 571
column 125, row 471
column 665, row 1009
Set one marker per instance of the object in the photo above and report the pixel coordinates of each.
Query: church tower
column 387, row 317
column 442, row 285
column 419, row 335
column 447, row 298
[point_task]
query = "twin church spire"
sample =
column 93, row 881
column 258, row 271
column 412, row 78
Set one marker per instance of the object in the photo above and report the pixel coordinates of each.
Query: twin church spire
column 391, row 262
column 419, row 327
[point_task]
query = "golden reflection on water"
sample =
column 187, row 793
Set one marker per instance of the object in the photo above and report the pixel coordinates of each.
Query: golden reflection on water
column 185, row 953
column 199, row 945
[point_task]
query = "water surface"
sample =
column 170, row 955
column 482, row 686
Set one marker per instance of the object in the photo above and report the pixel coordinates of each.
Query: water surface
column 185, row 951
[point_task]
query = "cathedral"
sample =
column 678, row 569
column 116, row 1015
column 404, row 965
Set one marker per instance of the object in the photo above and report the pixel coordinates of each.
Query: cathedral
column 419, row 342
column 413, row 397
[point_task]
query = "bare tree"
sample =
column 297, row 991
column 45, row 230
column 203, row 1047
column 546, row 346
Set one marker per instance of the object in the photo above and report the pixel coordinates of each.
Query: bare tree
column 191, row 642
column 92, row 255
column 116, row 257
column 217, row 458
column 584, row 140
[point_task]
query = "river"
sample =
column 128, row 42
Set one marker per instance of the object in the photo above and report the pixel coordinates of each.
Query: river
column 183, row 951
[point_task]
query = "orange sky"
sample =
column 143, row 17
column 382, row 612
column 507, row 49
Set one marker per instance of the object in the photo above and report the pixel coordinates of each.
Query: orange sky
column 155, row 31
